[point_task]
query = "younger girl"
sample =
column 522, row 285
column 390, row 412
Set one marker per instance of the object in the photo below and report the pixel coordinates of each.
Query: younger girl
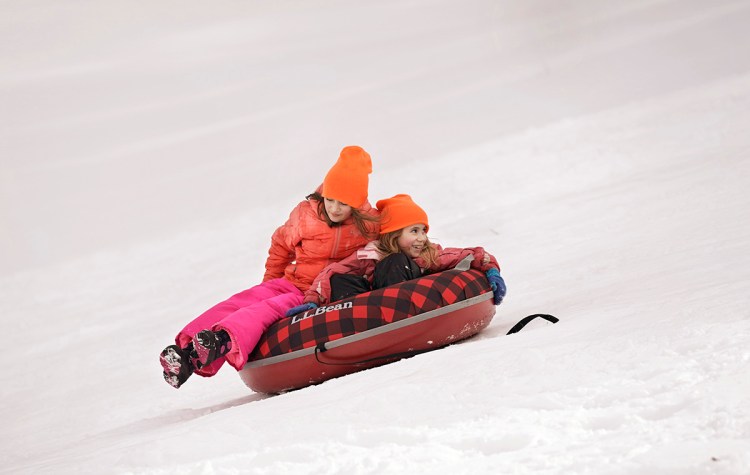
column 328, row 226
column 403, row 252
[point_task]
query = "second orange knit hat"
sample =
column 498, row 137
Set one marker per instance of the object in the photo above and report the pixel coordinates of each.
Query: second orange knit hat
column 399, row 212
column 347, row 180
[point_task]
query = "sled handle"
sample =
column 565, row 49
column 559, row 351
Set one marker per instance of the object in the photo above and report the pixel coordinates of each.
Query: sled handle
column 465, row 263
column 321, row 348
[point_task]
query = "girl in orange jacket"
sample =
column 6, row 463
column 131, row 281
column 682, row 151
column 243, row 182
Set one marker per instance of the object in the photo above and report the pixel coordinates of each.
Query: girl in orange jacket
column 329, row 225
column 402, row 252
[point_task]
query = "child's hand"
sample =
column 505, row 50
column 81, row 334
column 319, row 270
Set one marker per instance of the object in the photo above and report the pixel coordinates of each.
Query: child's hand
column 300, row 309
column 497, row 283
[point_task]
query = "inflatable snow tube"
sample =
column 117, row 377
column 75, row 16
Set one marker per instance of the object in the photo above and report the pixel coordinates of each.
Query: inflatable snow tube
column 370, row 329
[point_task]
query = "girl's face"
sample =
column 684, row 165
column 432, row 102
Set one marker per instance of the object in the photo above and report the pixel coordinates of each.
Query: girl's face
column 412, row 240
column 337, row 211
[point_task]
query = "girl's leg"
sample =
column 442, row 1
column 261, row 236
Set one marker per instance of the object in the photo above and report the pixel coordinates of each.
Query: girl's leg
column 395, row 269
column 246, row 326
column 226, row 311
column 248, row 297
column 344, row 286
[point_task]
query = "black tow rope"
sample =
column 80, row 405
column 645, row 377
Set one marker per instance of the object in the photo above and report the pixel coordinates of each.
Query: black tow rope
column 524, row 321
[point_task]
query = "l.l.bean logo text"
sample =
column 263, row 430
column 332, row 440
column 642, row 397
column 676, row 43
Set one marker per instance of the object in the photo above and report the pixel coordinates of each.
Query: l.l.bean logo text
column 320, row 311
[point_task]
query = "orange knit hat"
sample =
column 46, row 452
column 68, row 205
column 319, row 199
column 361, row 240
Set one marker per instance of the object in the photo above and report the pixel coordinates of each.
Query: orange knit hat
column 399, row 212
column 347, row 180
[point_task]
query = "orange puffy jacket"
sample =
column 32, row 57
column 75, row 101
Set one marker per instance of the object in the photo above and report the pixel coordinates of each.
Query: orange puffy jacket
column 305, row 244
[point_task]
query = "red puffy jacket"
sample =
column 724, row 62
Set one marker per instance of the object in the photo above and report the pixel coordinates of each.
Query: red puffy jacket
column 305, row 244
column 363, row 263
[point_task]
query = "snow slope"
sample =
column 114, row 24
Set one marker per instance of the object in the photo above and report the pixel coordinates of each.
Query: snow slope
column 599, row 150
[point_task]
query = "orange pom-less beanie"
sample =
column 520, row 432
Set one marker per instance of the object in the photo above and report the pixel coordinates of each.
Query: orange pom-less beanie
column 399, row 212
column 347, row 180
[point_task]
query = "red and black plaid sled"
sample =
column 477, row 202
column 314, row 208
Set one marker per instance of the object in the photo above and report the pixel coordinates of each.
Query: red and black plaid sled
column 369, row 330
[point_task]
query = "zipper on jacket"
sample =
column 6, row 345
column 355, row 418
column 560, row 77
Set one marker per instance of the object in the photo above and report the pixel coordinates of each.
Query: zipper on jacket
column 336, row 242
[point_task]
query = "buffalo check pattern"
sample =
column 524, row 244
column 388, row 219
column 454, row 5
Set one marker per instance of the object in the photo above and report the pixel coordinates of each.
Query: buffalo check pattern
column 370, row 310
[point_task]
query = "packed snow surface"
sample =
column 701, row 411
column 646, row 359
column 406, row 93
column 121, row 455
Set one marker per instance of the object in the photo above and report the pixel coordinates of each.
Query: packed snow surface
column 600, row 150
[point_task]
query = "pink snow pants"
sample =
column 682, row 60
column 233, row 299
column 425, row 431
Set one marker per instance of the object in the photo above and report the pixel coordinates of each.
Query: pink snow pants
column 245, row 317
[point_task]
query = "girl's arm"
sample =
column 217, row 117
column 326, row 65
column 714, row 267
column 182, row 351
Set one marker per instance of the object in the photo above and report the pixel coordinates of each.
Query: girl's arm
column 283, row 243
column 319, row 292
column 481, row 260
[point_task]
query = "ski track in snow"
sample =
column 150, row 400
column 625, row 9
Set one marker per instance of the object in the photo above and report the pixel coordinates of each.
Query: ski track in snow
column 627, row 221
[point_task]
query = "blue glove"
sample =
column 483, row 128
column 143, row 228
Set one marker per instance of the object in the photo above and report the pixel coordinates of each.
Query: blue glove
column 300, row 308
column 497, row 283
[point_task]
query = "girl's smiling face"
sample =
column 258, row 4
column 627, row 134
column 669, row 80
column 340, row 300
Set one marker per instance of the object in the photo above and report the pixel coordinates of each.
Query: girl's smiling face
column 336, row 210
column 412, row 240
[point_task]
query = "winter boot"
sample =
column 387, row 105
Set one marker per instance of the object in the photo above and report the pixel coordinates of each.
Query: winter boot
column 177, row 364
column 210, row 346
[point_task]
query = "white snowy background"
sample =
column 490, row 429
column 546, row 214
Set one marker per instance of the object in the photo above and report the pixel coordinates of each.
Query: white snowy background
column 601, row 150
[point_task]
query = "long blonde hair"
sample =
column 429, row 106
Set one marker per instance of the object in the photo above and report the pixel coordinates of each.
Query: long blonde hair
column 387, row 244
column 365, row 223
